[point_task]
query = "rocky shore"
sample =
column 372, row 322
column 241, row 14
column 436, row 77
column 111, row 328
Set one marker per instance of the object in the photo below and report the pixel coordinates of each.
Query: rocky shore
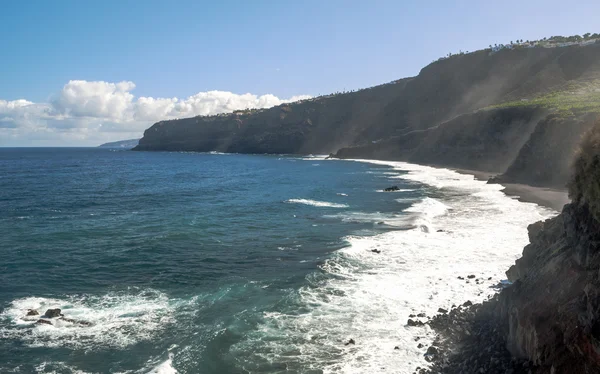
column 547, row 319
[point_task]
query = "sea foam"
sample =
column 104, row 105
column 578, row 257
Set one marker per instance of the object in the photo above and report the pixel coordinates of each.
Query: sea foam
column 316, row 203
column 117, row 320
column 471, row 228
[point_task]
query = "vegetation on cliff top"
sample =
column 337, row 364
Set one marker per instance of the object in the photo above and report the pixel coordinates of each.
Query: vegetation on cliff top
column 575, row 97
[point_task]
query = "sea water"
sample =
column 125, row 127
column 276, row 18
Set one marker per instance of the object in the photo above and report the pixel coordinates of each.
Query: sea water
column 222, row 263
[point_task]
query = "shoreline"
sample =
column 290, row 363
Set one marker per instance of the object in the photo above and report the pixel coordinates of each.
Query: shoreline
column 547, row 197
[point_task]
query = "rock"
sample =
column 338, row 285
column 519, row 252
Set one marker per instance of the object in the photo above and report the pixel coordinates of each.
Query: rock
column 441, row 230
column 432, row 350
column 351, row 341
column 375, row 250
column 70, row 320
column 471, row 276
column 390, row 189
column 32, row 312
column 411, row 315
column 420, row 345
column 461, row 278
column 43, row 322
column 397, row 348
column 421, row 315
column 53, row 313
column 414, row 323
column 442, row 310
column 490, row 278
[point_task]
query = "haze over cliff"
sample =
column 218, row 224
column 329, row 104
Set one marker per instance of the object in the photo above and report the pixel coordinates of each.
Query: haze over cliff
column 517, row 111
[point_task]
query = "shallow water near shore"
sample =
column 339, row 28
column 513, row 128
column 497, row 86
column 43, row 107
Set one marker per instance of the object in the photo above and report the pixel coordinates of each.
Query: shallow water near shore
column 211, row 263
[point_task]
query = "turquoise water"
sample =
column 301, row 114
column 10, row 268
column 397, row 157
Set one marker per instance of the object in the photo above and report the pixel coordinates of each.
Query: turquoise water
column 200, row 263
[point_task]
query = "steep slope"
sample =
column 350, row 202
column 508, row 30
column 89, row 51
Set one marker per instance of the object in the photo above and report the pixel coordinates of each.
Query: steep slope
column 551, row 313
column 471, row 111
column 310, row 126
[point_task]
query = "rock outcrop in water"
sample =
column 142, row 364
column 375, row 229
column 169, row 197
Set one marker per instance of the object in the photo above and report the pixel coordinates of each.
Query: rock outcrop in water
column 517, row 112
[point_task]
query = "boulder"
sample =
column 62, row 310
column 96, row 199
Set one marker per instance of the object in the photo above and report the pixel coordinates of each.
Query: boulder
column 53, row 313
column 32, row 312
column 43, row 322
column 432, row 350
column 413, row 323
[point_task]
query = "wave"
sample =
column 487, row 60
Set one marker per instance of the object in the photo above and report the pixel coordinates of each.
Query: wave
column 390, row 219
column 316, row 203
column 368, row 297
column 115, row 320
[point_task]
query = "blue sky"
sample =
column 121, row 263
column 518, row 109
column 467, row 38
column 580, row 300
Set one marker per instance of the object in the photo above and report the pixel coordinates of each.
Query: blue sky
column 279, row 48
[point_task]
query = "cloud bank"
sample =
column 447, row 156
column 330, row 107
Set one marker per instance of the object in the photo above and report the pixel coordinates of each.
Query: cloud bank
column 89, row 113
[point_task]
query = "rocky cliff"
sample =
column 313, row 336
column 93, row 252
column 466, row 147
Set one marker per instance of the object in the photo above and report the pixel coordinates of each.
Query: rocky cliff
column 492, row 111
column 551, row 313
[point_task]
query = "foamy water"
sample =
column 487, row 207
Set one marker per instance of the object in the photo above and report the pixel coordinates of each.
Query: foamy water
column 114, row 320
column 316, row 203
column 470, row 227
column 205, row 263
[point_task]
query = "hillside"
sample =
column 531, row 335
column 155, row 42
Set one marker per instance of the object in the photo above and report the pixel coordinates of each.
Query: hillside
column 490, row 110
column 123, row 144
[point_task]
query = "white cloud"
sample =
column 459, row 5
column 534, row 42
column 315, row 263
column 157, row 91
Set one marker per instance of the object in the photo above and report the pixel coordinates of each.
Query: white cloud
column 89, row 113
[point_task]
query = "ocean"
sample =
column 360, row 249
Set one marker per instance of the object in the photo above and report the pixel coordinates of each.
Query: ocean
column 223, row 263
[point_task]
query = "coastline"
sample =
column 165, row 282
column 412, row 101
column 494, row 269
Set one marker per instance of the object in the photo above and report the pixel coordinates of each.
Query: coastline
column 546, row 197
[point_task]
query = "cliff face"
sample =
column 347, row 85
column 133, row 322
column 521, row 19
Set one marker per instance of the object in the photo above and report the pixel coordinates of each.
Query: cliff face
column 551, row 313
column 481, row 110
column 485, row 140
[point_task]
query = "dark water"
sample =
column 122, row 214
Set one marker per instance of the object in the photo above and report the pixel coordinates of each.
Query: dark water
column 180, row 261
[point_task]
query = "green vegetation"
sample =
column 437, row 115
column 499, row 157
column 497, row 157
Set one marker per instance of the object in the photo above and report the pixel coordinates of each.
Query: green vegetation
column 584, row 187
column 579, row 97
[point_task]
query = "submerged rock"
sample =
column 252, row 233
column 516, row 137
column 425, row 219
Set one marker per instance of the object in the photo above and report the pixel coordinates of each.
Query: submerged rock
column 391, row 189
column 351, row 341
column 74, row 321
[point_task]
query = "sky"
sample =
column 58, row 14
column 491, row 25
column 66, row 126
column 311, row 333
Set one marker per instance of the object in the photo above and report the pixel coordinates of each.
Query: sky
column 79, row 73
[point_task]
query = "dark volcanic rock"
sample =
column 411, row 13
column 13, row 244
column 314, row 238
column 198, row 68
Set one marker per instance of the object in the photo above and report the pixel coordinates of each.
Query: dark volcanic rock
column 552, row 310
column 413, row 323
column 52, row 313
column 391, row 189
column 32, row 312
column 43, row 322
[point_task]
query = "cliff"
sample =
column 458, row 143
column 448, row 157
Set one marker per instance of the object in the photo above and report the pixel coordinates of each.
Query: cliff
column 122, row 144
column 551, row 312
column 498, row 111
